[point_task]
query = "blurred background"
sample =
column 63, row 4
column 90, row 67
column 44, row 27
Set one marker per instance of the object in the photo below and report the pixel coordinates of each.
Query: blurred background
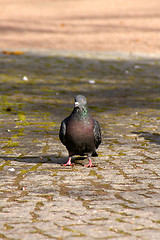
column 103, row 25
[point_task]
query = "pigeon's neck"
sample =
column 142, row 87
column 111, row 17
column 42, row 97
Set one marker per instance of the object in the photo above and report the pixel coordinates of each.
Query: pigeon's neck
column 82, row 113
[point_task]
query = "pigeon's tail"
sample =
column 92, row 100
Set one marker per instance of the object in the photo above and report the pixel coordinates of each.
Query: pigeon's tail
column 94, row 154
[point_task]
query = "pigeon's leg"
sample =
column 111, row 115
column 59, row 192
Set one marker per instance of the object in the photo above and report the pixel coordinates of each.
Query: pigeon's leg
column 69, row 162
column 90, row 163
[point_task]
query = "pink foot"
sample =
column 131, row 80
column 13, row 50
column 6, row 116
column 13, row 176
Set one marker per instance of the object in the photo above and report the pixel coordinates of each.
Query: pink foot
column 90, row 164
column 68, row 163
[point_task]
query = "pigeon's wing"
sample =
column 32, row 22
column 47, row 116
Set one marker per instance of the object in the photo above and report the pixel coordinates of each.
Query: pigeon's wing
column 62, row 131
column 97, row 133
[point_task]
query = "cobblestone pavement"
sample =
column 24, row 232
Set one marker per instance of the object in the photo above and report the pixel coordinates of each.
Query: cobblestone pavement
column 117, row 199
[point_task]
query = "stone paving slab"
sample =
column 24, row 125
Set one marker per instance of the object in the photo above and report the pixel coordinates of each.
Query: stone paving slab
column 117, row 199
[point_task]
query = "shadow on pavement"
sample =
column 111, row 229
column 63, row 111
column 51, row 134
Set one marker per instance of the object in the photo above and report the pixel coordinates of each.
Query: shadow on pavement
column 37, row 92
column 50, row 159
column 53, row 81
column 152, row 137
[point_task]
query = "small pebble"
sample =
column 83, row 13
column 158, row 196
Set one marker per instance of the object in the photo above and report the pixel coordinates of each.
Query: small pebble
column 126, row 72
column 11, row 169
column 25, row 78
column 8, row 130
column 91, row 81
column 137, row 67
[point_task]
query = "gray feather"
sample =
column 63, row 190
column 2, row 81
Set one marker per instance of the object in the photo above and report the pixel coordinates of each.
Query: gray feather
column 97, row 133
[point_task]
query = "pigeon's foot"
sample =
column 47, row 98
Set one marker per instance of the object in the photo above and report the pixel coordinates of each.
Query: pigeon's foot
column 90, row 164
column 68, row 163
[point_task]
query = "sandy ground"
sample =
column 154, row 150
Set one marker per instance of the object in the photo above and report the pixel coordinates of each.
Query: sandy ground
column 88, row 25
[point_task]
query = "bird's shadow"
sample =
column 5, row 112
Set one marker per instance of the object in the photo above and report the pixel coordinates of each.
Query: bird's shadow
column 50, row 159
column 152, row 137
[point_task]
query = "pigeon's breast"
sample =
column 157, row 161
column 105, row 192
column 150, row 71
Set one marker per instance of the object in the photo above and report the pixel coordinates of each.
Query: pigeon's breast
column 80, row 135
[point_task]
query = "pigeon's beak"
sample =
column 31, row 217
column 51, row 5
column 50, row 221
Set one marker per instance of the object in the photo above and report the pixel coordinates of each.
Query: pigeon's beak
column 76, row 104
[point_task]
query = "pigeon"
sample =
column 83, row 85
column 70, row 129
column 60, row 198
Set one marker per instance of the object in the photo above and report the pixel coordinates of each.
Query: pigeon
column 80, row 132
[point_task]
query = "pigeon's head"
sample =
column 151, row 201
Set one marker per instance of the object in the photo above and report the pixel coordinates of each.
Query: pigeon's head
column 80, row 101
column 80, row 106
